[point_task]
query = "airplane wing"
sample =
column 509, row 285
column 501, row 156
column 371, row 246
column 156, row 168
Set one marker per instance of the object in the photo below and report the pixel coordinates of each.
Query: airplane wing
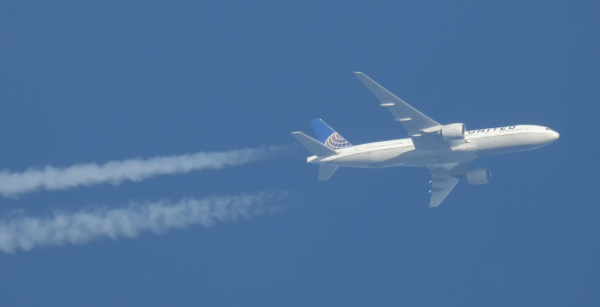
column 414, row 121
column 445, row 177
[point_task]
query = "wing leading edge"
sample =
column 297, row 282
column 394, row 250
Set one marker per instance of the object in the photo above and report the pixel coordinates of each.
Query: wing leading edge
column 413, row 120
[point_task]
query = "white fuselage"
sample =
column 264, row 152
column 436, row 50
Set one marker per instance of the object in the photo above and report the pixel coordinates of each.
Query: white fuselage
column 402, row 152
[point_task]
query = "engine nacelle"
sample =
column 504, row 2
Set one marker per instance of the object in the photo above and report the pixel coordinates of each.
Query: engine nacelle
column 478, row 176
column 453, row 131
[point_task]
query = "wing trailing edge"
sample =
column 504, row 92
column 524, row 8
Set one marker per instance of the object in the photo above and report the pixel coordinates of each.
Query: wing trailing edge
column 444, row 178
column 413, row 120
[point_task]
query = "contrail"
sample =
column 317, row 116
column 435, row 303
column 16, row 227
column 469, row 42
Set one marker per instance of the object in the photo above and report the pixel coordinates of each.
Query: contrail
column 25, row 233
column 115, row 172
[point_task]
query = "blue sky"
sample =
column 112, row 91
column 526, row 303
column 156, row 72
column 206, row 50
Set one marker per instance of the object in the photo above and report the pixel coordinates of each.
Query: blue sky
column 99, row 82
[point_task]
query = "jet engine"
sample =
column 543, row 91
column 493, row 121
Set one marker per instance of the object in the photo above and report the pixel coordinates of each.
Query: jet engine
column 453, row 131
column 478, row 176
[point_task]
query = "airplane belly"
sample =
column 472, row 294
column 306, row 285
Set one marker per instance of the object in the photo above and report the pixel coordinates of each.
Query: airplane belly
column 403, row 156
column 506, row 144
column 430, row 157
column 495, row 142
column 371, row 159
column 354, row 160
column 386, row 154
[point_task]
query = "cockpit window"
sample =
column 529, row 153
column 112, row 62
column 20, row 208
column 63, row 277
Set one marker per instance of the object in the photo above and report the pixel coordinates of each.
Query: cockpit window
column 548, row 129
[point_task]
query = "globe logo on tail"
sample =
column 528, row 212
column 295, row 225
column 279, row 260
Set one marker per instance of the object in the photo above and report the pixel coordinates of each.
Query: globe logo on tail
column 336, row 141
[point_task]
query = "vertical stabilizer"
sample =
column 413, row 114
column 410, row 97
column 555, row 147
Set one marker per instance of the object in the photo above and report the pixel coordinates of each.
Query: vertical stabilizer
column 328, row 136
column 325, row 171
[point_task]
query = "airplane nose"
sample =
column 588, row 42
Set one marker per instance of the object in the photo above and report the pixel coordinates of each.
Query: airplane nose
column 551, row 136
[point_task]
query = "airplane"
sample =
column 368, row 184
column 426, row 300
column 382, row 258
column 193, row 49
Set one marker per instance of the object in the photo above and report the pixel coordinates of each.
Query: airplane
column 446, row 150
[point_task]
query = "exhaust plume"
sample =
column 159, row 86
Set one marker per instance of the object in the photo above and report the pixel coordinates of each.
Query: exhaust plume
column 115, row 172
column 24, row 232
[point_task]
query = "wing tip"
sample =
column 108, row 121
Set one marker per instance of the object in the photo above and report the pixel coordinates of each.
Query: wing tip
column 432, row 205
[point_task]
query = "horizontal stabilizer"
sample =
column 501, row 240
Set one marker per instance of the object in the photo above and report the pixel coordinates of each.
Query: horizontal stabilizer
column 316, row 147
column 325, row 171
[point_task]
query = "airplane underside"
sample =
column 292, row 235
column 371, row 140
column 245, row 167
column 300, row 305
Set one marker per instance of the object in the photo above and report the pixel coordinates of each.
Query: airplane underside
column 445, row 150
column 410, row 156
column 391, row 157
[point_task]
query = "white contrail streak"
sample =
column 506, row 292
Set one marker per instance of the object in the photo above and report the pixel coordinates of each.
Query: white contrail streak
column 25, row 233
column 115, row 172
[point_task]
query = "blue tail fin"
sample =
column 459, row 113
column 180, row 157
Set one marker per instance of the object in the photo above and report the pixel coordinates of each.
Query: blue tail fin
column 328, row 136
